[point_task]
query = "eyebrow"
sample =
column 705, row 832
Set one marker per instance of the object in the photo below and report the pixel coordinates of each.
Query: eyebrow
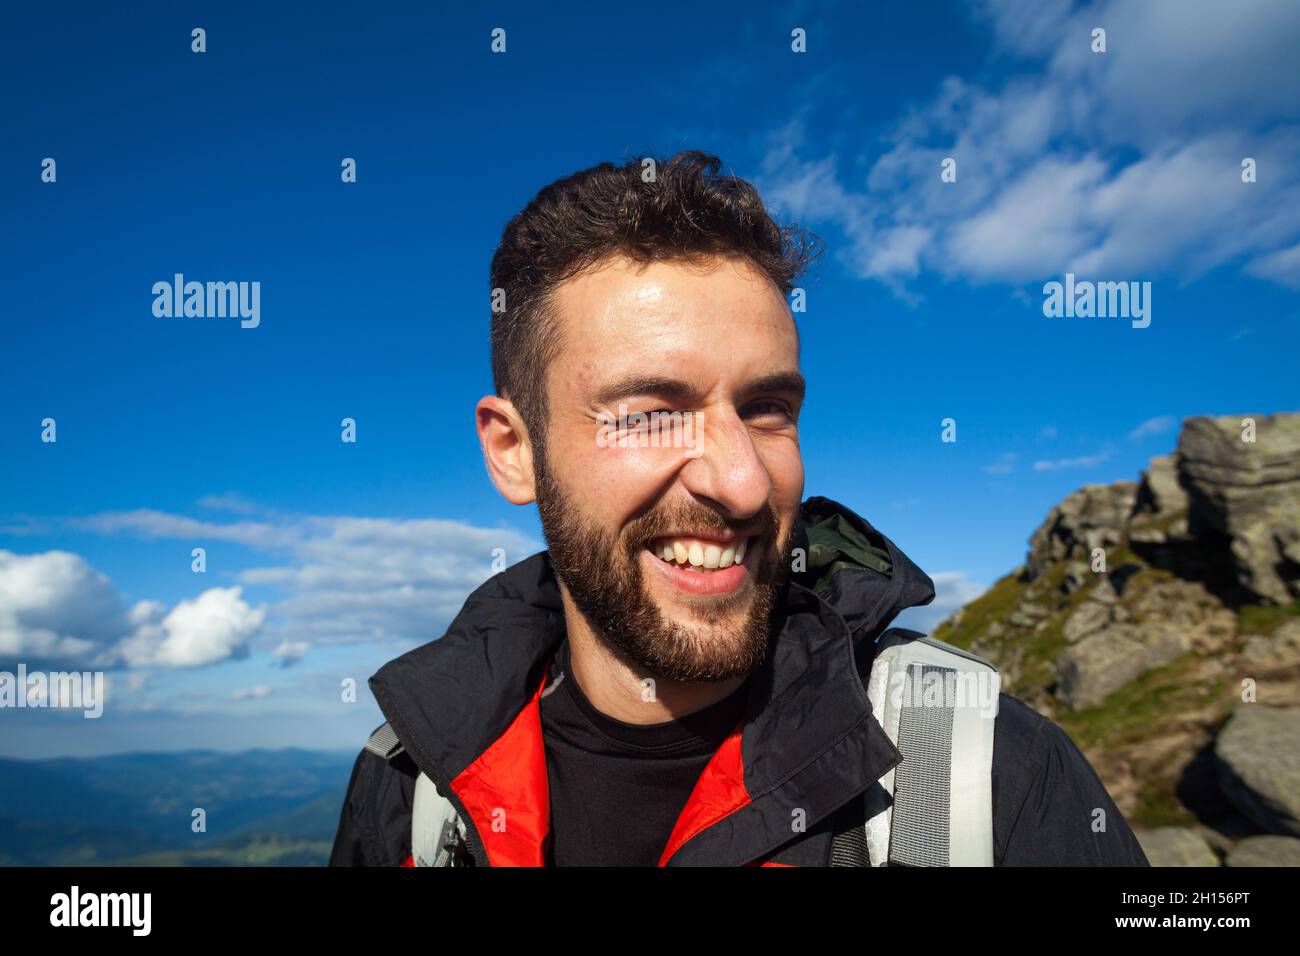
column 780, row 382
column 678, row 388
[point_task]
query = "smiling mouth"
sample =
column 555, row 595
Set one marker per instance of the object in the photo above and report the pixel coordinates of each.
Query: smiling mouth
column 701, row 555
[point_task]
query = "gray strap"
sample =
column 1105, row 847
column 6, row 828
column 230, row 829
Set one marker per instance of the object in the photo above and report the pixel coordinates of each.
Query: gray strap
column 919, row 829
column 384, row 743
column 937, row 802
column 436, row 828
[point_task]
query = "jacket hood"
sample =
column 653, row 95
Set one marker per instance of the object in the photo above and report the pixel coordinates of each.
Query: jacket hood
column 464, row 706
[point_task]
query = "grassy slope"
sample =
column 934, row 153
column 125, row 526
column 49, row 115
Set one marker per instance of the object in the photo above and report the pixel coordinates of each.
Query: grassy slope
column 1153, row 704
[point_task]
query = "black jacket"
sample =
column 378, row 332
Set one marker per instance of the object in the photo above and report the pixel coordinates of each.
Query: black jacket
column 464, row 708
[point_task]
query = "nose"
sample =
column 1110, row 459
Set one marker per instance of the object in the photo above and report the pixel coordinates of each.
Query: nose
column 729, row 471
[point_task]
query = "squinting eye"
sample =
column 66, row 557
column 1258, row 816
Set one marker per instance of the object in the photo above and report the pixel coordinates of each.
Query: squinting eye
column 770, row 408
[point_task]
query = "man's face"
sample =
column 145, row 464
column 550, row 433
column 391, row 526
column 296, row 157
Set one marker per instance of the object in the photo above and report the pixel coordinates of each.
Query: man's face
column 671, row 536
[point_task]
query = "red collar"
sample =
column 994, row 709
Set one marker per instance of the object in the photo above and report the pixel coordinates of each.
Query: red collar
column 506, row 792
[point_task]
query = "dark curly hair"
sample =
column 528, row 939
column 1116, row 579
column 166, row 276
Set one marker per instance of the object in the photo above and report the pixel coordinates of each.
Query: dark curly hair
column 687, row 212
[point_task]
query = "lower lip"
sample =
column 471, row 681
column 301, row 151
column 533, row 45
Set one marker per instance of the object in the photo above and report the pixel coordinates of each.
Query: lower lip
column 709, row 583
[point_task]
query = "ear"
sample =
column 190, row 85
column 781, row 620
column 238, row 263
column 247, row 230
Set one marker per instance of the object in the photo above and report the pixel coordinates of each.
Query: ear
column 507, row 451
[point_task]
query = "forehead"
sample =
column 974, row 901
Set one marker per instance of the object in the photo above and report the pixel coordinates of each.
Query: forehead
column 716, row 319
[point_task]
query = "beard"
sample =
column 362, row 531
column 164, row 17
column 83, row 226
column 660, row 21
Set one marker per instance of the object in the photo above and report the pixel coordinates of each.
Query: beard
column 603, row 574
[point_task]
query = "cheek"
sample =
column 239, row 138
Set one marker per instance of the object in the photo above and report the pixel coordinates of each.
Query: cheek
column 784, row 465
column 614, row 483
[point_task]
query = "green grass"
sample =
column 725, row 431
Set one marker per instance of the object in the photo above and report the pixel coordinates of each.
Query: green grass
column 1130, row 712
column 1135, row 712
column 1264, row 618
column 258, row 851
column 1158, row 806
column 1159, row 524
column 993, row 605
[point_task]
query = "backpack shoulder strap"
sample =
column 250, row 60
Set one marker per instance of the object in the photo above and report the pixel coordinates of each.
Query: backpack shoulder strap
column 436, row 827
column 937, row 703
column 384, row 743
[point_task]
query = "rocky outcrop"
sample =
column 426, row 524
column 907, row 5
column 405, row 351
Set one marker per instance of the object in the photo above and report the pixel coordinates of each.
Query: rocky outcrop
column 1114, row 643
column 1158, row 622
column 1270, row 653
column 1265, row 851
column 1111, row 657
column 1176, row 846
column 1244, row 485
column 1160, row 492
column 1093, row 517
column 1259, row 765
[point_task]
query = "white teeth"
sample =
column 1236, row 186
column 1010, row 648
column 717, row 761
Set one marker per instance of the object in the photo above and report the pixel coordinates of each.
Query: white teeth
column 699, row 553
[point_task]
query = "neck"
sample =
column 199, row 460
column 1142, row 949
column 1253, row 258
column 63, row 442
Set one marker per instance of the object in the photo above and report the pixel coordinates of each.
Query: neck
column 619, row 689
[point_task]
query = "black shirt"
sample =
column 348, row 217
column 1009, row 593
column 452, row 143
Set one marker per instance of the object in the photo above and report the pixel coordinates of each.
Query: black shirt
column 616, row 789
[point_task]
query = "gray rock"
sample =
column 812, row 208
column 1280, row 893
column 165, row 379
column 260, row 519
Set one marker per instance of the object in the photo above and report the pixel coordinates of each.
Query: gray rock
column 1104, row 592
column 1027, row 614
column 1078, row 575
column 1176, row 846
column 1258, row 753
column 1250, row 493
column 1160, row 492
column 1277, row 651
column 1088, row 617
column 1146, row 536
column 1092, row 517
column 1105, row 661
column 1199, row 617
column 1265, row 851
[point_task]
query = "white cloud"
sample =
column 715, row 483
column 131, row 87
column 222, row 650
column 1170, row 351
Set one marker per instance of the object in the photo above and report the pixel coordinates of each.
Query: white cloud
column 54, row 606
column 230, row 501
column 251, row 693
column 1029, row 27
column 1282, row 266
column 1005, row 464
column 952, row 590
column 212, row 627
column 1038, row 219
column 1082, row 461
column 346, row 579
column 290, row 652
column 1154, row 426
column 1122, row 165
column 148, row 523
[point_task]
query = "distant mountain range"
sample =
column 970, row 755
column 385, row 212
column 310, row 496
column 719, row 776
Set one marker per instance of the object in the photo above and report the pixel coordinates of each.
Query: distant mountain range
column 262, row 808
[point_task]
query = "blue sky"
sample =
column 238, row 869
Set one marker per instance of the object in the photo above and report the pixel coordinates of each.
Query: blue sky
column 325, row 559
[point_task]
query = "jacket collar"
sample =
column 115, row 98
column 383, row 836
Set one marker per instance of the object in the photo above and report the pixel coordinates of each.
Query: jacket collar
column 465, row 706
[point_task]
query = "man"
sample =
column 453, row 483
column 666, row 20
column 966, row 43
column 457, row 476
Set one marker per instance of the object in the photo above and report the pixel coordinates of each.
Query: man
column 681, row 679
